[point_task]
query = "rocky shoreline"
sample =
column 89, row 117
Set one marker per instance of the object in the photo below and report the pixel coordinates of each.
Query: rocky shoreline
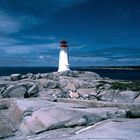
column 68, row 105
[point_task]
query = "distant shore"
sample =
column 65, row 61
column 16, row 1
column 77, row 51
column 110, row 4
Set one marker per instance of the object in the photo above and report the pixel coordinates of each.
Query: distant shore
column 78, row 67
column 114, row 67
column 113, row 72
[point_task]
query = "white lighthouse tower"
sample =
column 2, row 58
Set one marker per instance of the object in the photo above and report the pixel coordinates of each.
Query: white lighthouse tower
column 63, row 57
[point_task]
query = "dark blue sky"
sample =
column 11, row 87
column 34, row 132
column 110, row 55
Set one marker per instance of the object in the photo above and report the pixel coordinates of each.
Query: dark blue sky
column 99, row 32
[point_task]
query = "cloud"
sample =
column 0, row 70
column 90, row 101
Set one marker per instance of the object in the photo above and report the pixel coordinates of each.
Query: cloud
column 106, row 56
column 8, row 41
column 37, row 8
column 18, row 50
column 40, row 38
column 88, row 61
column 129, row 60
column 67, row 3
column 8, row 24
column 112, row 52
column 41, row 57
column 29, row 55
column 31, row 49
column 17, row 16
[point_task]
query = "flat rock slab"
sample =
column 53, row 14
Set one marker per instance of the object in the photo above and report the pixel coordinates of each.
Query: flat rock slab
column 125, row 96
column 37, row 115
column 7, row 129
column 117, row 129
column 122, row 129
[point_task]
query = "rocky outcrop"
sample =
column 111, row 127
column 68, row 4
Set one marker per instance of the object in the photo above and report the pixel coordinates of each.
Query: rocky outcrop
column 15, row 77
column 7, row 129
column 21, row 89
column 126, row 96
column 14, row 91
column 65, row 105
column 37, row 115
column 122, row 129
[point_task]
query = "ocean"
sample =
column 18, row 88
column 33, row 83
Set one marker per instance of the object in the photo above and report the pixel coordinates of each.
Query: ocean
column 111, row 73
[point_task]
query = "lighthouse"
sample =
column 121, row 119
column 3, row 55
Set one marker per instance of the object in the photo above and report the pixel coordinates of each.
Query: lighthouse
column 63, row 57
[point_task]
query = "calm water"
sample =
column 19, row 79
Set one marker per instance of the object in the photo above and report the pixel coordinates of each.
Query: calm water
column 114, row 74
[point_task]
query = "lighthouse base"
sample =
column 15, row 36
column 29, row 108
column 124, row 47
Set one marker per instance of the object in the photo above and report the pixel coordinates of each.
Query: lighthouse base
column 63, row 68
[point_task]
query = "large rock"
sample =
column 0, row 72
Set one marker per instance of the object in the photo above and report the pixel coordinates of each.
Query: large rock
column 33, row 91
column 118, row 129
column 125, row 96
column 76, row 74
column 50, row 84
column 55, row 75
column 137, row 100
column 87, row 93
column 7, row 126
column 21, row 89
column 114, row 129
column 14, row 91
column 15, row 77
column 67, row 84
column 27, row 83
column 72, row 84
column 55, row 117
column 107, row 95
column 88, row 76
column 38, row 115
column 7, row 129
column 54, row 92
column 48, row 117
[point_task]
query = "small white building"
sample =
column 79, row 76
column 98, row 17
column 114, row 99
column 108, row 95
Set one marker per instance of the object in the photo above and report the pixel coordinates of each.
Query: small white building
column 63, row 57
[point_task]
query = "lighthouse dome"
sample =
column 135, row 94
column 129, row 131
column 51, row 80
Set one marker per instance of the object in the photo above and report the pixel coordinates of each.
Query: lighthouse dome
column 63, row 44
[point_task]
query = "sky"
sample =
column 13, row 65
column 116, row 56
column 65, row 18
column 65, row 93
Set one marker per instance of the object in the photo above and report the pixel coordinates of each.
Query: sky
column 99, row 32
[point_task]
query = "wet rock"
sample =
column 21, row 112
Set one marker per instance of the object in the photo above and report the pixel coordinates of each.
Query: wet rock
column 15, row 77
